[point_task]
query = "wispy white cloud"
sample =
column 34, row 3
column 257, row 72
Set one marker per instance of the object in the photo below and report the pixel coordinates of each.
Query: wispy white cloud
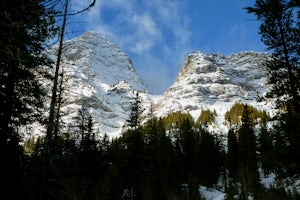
column 172, row 16
column 145, row 24
column 154, row 33
column 146, row 33
column 135, row 21
column 158, row 34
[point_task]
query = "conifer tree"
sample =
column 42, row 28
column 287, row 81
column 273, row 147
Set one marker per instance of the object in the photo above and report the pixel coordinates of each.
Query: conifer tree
column 231, row 163
column 133, row 167
column 85, row 130
column 135, row 115
column 265, row 148
column 25, row 26
column 58, row 124
column 105, row 144
column 159, row 160
column 54, row 94
column 232, row 155
column 209, row 158
column 190, row 148
column 206, row 118
column 280, row 32
column 248, row 167
column 134, row 152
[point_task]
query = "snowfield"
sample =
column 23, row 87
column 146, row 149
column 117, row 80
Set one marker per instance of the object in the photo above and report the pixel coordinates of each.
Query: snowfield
column 100, row 78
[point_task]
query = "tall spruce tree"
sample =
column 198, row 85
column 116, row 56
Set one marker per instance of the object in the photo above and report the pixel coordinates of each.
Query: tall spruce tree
column 249, row 176
column 209, row 158
column 265, row 148
column 232, row 155
column 25, row 29
column 280, row 32
column 136, row 110
column 26, row 26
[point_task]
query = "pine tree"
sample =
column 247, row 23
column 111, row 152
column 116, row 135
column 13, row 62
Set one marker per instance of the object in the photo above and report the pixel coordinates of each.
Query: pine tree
column 61, row 100
column 134, row 151
column 135, row 115
column 105, row 144
column 265, row 147
column 232, row 155
column 160, row 161
column 232, row 163
column 85, row 130
column 55, row 99
column 280, row 32
column 133, row 158
column 248, row 167
column 206, row 118
column 208, row 158
column 190, row 148
column 25, row 26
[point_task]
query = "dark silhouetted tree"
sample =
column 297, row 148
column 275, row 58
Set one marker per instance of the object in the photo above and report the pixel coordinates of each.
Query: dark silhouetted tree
column 280, row 32
column 25, row 29
column 265, row 148
column 135, row 115
column 232, row 155
column 248, row 167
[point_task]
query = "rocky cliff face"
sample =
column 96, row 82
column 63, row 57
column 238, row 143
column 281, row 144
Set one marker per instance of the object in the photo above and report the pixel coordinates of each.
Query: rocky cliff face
column 99, row 77
column 213, row 77
column 216, row 82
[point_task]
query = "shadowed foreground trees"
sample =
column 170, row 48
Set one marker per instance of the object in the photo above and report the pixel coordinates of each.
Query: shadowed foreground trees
column 148, row 162
column 143, row 163
column 25, row 27
column 280, row 32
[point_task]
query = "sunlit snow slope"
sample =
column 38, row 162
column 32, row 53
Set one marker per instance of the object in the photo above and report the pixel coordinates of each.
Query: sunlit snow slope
column 101, row 78
column 216, row 82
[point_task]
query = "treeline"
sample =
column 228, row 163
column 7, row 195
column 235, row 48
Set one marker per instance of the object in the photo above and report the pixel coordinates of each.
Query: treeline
column 145, row 162
column 159, row 161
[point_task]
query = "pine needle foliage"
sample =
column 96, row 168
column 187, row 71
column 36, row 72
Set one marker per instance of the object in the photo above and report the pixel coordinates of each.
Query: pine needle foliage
column 207, row 117
column 176, row 119
column 234, row 115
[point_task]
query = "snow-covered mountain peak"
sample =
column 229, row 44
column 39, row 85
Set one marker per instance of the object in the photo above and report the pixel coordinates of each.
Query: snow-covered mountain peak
column 98, row 57
column 197, row 63
column 101, row 78
column 216, row 82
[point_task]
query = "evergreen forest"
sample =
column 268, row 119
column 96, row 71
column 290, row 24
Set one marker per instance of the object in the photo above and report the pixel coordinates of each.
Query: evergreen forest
column 162, row 158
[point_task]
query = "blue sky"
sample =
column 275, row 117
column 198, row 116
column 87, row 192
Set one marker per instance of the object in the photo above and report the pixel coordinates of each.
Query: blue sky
column 158, row 34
